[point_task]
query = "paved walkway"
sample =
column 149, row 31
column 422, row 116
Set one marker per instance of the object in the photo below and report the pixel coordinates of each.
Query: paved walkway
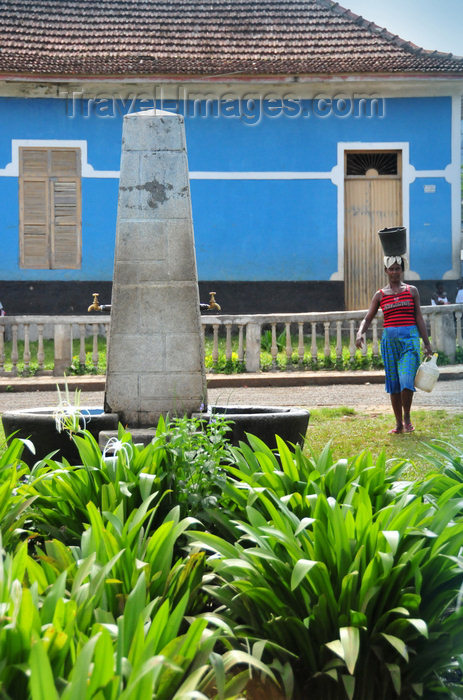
column 366, row 394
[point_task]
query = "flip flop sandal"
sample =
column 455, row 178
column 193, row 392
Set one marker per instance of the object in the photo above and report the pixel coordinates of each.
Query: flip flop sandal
column 408, row 428
column 395, row 431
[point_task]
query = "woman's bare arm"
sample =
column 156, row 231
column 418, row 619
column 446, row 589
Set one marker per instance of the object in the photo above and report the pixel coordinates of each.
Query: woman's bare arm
column 371, row 313
column 420, row 321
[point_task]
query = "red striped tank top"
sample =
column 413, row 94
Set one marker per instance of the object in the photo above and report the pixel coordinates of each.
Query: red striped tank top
column 398, row 309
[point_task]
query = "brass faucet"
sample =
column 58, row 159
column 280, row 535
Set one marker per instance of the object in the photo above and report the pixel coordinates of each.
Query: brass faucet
column 95, row 306
column 212, row 302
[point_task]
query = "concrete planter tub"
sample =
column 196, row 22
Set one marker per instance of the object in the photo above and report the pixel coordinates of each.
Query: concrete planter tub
column 262, row 421
column 38, row 424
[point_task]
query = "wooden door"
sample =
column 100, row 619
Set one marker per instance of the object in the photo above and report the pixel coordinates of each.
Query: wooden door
column 372, row 200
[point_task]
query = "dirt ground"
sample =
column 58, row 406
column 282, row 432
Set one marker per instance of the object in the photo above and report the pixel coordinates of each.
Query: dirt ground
column 447, row 395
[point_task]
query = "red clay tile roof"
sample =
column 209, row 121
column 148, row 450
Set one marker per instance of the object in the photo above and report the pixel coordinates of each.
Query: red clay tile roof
column 204, row 38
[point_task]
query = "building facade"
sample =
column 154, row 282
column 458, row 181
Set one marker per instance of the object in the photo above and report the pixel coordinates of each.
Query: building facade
column 292, row 173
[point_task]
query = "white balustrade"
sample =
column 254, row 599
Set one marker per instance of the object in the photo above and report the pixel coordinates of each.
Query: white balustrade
column 23, row 338
column 309, row 338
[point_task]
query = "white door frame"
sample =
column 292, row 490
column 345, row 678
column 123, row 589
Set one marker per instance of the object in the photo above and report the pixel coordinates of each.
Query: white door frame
column 407, row 176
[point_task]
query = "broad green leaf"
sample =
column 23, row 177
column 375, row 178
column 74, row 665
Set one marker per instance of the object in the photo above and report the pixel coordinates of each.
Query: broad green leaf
column 397, row 643
column 350, row 640
column 103, row 667
column 336, row 647
column 134, row 609
column 188, row 689
column 56, row 591
column 393, row 539
column 235, row 657
column 287, row 459
column 396, row 676
column 135, row 689
column 41, row 682
column 300, row 571
column 349, row 685
column 213, row 542
column 305, row 522
column 77, row 688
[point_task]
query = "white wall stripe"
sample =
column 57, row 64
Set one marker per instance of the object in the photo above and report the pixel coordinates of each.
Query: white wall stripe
column 12, row 168
column 259, row 175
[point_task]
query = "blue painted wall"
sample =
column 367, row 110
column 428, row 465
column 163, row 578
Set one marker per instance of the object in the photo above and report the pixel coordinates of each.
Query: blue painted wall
column 244, row 229
column 430, row 242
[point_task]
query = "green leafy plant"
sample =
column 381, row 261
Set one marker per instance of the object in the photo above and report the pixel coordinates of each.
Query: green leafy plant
column 59, row 638
column 195, row 451
column 68, row 415
column 356, row 585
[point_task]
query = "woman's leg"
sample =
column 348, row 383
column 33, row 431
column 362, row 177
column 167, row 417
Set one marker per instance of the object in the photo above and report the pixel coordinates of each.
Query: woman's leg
column 407, row 367
column 406, row 399
column 390, row 352
column 396, row 402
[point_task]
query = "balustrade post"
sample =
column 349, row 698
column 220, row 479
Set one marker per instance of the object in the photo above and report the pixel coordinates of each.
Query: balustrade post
column 339, row 340
column 62, row 348
column 274, row 347
column 252, row 347
column 300, row 347
column 40, row 348
column 458, row 320
column 27, row 349
column 289, row 347
column 444, row 339
column 95, row 346
column 82, row 353
column 14, row 348
column 313, row 345
column 215, row 344
column 352, row 346
column 228, row 340
column 326, row 325
column 240, row 343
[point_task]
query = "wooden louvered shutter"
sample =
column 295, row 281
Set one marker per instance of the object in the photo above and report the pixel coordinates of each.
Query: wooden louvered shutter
column 50, row 208
column 33, row 209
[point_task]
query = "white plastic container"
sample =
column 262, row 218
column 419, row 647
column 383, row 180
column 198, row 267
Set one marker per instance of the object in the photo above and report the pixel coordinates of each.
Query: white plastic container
column 427, row 375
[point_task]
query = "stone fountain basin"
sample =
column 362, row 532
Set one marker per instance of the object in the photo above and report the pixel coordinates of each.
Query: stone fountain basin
column 38, row 425
column 262, row 421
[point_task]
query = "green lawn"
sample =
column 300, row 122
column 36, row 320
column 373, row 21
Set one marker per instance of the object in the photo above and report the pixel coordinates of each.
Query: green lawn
column 351, row 432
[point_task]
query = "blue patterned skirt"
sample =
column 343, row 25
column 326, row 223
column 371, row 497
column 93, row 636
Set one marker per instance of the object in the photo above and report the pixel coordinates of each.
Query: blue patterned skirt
column 400, row 350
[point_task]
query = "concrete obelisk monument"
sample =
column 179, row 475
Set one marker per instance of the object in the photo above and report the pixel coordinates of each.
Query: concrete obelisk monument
column 155, row 359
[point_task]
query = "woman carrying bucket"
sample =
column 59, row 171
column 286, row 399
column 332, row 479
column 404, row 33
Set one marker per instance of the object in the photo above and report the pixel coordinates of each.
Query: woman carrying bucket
column 403, row 326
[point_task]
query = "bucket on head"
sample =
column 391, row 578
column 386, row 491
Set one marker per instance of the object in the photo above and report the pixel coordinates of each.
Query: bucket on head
column 394, row 240
column 427, row 375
